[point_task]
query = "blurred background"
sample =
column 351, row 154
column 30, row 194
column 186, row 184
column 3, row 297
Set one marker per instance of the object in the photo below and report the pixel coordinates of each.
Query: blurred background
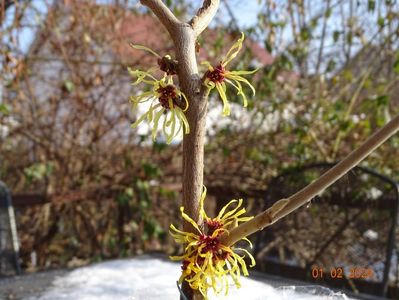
column 87, row 187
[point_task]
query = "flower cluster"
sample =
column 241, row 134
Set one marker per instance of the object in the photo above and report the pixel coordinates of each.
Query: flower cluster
column 217, row 76
column 206, row 261
column 166, row 99
column 169, row 100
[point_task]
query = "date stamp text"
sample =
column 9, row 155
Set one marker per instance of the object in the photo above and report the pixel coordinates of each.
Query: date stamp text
column 341, row 272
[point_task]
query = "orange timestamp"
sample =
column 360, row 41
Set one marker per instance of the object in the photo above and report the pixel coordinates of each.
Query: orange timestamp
column 339, row 272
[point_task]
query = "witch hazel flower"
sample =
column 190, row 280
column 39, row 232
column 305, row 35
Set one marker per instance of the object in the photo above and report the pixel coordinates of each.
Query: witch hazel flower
column 206, row 262
column 165, row 63
column 217, row 76
column 166, row 99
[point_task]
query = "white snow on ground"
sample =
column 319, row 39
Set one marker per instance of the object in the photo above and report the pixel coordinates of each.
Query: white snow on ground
column 148, row 278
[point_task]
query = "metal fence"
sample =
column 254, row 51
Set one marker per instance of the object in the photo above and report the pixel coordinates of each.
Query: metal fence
column 9, row 246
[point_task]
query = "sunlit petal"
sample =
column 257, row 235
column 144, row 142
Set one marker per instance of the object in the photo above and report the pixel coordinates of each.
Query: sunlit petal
column 239, row 78
column 140, row 47
column 222, row 93
column 240, row 92
column 232, row 53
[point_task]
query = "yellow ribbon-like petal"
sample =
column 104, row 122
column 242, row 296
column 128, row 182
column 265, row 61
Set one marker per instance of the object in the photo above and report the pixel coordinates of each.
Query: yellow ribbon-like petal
column 232, row 53
column 222, row 92
column 140, row 47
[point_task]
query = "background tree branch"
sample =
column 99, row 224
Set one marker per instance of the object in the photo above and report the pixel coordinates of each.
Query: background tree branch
column 6, row 4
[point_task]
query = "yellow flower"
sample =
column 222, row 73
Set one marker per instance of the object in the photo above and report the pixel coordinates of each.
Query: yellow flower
column 167, row 100
column 206, row 261
column 218, row 75
column 165, row 63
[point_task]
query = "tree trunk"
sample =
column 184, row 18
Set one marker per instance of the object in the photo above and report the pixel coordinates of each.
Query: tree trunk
column 193, row 143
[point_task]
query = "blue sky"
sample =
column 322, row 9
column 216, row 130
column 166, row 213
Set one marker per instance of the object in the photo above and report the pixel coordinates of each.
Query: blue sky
column 245, row 12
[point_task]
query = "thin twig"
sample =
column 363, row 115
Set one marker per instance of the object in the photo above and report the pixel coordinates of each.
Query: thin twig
column 349, row 110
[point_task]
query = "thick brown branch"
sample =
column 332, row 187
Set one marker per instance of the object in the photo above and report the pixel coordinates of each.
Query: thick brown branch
column 164, row 14
column 193, row 143
column 184, row 36
column 283, row 207
column 204, row 16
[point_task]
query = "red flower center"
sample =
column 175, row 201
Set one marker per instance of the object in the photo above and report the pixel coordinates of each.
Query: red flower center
column 217, row 75
column 212, row 244
column 166, row 93
column 168, row 65
column 213, row 225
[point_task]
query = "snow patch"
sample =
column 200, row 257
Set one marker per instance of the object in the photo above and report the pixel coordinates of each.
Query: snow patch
column 148, row 278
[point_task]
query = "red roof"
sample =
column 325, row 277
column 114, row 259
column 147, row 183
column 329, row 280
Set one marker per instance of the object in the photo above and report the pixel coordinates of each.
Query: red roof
column 121, row 27
column 147, row 31
column 143, row 30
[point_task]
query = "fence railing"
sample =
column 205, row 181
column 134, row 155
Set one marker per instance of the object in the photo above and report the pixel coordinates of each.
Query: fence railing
column 9, row 244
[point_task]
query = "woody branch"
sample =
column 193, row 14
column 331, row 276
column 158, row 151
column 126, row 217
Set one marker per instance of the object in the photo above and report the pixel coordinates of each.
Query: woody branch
column 184, row 36
column 284, row 207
